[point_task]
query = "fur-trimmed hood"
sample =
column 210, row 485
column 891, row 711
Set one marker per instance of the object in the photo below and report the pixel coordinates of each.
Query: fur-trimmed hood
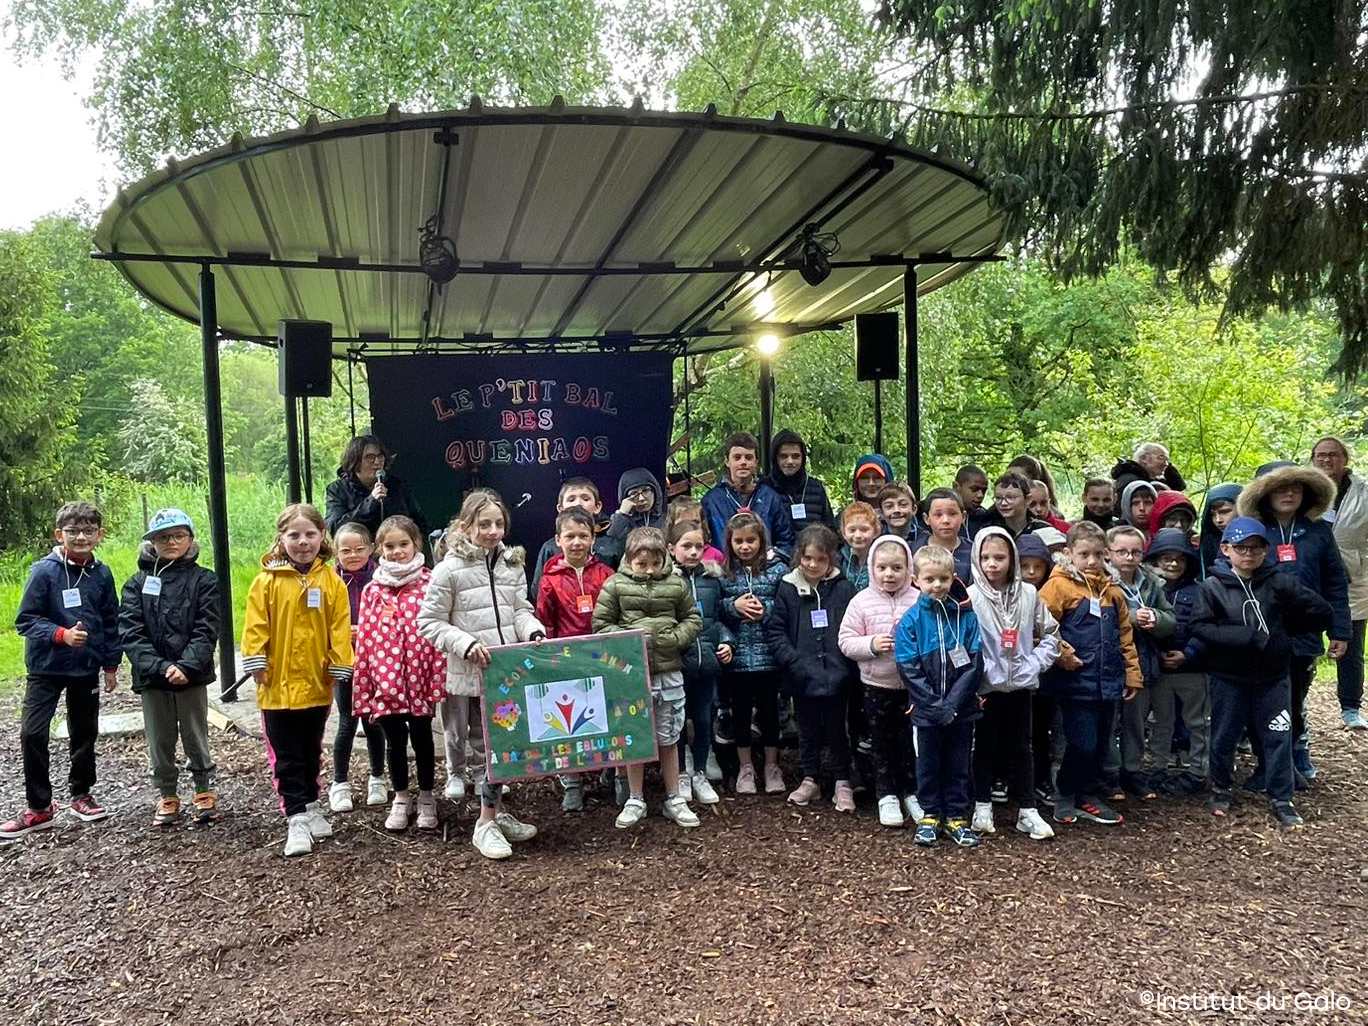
column 1318, row 488
column 460, row 545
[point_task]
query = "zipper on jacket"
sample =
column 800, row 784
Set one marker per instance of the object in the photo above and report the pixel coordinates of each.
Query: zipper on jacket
column 494, row 595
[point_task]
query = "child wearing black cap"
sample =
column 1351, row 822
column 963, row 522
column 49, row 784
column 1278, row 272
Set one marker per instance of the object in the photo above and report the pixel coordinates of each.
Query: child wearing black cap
column 1247, row 614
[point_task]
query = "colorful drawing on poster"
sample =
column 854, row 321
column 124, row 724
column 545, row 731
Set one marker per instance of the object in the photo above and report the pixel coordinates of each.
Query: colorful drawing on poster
column 566, row 709
column 506, row 715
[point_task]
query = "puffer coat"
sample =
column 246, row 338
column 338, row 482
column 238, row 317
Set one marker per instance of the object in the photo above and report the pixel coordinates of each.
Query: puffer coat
column 660, row 604
column 753, row 654
column 476, row 597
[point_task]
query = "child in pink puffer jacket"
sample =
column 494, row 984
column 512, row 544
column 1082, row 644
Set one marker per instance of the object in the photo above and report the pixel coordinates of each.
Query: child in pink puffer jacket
column 867, row 637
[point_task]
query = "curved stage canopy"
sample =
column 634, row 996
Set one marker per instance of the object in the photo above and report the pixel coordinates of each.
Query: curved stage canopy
column 574, row 227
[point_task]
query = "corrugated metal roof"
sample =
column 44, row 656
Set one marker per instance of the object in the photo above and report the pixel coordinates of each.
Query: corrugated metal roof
column 535, row 200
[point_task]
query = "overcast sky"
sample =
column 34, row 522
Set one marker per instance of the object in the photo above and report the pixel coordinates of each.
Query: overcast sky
column 53, row 162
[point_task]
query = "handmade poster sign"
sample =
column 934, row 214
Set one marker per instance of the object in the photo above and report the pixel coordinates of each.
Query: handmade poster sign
column 572, row 705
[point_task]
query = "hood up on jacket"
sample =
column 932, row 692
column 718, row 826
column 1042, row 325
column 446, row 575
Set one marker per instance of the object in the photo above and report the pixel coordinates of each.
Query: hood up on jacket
column 635, row 478
column 889, row 539
column 1209, row 537
column 1129, row 494
column 1029, row 546
column 868, row 459
column 1170, row 539
column 783, row 438
column 1167, row 502
column 1318, row 491
column 1008, row 605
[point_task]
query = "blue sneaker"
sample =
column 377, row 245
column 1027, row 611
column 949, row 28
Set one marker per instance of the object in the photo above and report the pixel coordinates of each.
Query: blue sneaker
column 1353, row 719
column 1301, row 762
column 926, row 831
column 958, row 830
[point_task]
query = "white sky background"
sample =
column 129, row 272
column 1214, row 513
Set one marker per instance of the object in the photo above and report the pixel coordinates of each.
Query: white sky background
column 52, row 162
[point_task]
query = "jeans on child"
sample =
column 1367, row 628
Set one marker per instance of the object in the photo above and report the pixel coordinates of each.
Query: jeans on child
column 1265, row 709
column 700, row 694
column 943, row 755
column 1087, row 738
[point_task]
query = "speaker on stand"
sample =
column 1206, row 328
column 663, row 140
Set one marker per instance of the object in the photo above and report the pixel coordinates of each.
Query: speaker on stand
column 305, row 364
column 876, row 359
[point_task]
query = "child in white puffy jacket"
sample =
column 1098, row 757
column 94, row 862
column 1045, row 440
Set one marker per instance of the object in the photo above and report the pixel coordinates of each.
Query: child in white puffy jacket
column 477, row 599
column 1019, row 639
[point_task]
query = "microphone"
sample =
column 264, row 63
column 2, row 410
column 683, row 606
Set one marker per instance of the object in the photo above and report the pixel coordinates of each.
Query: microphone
column 380, row 477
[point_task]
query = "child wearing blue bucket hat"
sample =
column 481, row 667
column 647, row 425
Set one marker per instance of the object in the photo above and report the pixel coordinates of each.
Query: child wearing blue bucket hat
column 169, row 624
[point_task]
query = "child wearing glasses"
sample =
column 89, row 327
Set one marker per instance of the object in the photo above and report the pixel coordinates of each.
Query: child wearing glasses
column 68, row 617
column 169, row 625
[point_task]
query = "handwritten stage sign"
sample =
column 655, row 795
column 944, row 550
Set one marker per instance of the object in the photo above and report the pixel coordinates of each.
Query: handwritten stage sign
column 520, row 424
column 572, row 705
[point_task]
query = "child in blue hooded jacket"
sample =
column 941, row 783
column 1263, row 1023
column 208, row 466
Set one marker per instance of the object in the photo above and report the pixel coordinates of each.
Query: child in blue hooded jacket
column 937, row 650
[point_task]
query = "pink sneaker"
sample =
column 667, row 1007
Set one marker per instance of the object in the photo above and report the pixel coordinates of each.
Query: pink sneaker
column 774, row 780
column 745, row 780
column 805, row 792
column 845, row 797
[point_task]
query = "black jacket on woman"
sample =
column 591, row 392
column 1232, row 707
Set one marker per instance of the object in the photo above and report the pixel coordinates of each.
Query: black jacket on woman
column 349, row 501
column 178, row 626
column 807, row 653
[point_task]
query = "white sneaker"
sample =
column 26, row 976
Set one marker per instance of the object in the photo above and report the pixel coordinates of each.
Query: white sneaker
column 688, row 762
column 1029, row 822
column 677, row 809
column 890, row 815
column 299, row 841
column 514, row 829
column 632, row 811
column 376, row 791
column 427, row 811
column 712, row 770
column 398, row 817
column 983, row 818
column 340, row 797
column 455, row 789
column 318, row 824
column 489, row 842
column 686, row 786
column 703, row 791
column 914, row 809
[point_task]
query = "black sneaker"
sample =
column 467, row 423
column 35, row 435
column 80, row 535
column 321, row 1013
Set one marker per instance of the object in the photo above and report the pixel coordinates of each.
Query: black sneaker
column 1098, row 811
column 1185, row 785
column 1220, row 804
column 1287, row 816
column 998, row 793
column 722, row 732
column 1044, row 796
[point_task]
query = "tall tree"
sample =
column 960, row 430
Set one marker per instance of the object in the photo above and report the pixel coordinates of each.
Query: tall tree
column 1201, row 132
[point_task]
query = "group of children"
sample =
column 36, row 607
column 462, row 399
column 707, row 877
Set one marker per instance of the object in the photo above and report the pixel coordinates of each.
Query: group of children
column 943, row 656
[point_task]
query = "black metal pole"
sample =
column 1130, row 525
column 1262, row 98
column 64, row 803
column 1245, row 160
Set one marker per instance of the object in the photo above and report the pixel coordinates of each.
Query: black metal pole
column 292, row 448
column 218, row 485
column 878, row 415
column 766, row 410
column 351, row 397
column 308, row 452
column 913, row 380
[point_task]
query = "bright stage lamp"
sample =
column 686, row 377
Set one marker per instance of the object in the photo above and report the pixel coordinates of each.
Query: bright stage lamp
column 767, row 344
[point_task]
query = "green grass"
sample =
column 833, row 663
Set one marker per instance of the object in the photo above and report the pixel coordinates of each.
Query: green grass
column 253, row 505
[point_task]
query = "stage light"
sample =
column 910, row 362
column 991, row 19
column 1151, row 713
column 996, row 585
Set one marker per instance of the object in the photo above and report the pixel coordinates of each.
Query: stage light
column 437, row 253
column 814, row 254
column 767, row 344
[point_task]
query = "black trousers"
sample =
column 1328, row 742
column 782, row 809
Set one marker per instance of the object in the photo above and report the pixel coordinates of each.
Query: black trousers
column 83, row 723
column 1042, row 743
column 943, row 770
column 346, row 736
column 890, row 738
column 821, row 723
column 1349, row 670
column 755, row 694
column 294, row 749
column 1003, row 738
column 400, row 732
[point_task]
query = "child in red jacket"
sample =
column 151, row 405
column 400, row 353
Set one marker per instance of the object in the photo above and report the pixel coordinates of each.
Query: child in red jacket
column 566, row 595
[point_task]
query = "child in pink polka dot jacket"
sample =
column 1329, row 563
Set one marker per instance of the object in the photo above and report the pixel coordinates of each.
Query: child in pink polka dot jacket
column 399, row 676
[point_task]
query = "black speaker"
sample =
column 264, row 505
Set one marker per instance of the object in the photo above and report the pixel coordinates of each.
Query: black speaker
column 305, row 358
column 876, row 346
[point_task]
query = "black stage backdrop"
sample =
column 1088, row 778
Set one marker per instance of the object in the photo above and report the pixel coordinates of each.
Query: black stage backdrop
column 520, row 424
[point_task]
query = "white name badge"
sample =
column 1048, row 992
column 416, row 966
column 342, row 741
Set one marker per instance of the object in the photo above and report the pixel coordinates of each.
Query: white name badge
column 151, row 585
column 314, row 598
column 1095, row 607
column 819, row 618
column 798, row 511
column 71, row 598
column 959, row 658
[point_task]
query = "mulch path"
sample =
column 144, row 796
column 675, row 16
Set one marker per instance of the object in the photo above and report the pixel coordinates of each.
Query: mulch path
column 766, row 914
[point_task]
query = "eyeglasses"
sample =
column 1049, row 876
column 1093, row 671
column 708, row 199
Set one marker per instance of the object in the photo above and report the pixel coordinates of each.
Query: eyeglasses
column 173, row 536
column 81, row 532
column 1248, row 550
column 1326, row 457
column 373, row 457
